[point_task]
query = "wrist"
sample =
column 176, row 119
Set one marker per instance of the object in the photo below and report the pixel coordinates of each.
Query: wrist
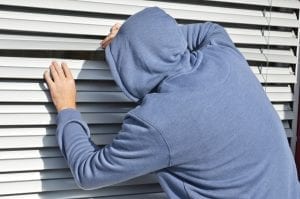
column 65, row 107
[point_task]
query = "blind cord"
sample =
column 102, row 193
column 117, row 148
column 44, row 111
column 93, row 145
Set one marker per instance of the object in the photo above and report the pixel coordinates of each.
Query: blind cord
column 268, row 45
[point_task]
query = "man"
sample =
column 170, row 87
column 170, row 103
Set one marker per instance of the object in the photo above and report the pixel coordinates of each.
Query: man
column 203, row 122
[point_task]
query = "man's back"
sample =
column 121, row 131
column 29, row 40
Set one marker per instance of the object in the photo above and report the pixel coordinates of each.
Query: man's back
column 224, row 136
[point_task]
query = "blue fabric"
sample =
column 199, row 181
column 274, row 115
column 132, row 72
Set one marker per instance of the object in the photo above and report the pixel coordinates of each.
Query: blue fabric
column 203, row 122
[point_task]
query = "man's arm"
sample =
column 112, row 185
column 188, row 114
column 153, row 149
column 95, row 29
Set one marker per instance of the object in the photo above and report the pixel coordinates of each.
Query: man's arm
column 138, row 149
column 199, row 35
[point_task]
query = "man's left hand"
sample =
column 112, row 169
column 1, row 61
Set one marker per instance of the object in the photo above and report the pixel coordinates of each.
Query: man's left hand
column 61, row 85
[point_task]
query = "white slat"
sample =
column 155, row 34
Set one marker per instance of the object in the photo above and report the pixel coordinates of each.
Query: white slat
column 58, row 185
column 37, row 73
column 50, row 130
column 27, row 62
column 32, row 164
column 282, row 56
column 40, row 85
column 36, row 175
column 278, row 89
column 280, row 97
column 274, row 74
column 279, row 56
column 82, row 107
column 276, row 78
column 29, row 153
column 130, row 196
column 38, row 96
column 30, row 44
column 54, row 174
column 275, row 3
column 46, row 119
column 45, row 141
column 122, row 192
column 272, row 70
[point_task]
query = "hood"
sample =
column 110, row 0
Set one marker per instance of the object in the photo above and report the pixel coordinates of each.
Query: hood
column 148, row 49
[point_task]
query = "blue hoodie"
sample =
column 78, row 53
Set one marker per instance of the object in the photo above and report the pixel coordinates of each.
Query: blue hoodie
column 203, row 122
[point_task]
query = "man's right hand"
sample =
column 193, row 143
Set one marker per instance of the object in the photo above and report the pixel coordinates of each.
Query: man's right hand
column 113, row 32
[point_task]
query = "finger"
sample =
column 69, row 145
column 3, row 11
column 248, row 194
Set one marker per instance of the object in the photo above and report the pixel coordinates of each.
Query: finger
column 59, row 70
column 53, row 72
column 48, row 79
column 103, row 42
column 106, row 43
column 117, row 26
column 106, row 39
column 114, row 28
column 67, row 71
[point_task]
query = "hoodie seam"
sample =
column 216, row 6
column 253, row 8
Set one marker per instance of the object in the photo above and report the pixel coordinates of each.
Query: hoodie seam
column 159, row 131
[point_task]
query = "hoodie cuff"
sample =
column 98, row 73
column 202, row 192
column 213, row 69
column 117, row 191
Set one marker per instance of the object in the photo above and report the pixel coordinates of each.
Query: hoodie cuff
column 66, row 115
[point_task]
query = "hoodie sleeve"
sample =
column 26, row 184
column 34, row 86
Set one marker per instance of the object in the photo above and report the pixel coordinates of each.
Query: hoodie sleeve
column 138, row 149
column 199, row 35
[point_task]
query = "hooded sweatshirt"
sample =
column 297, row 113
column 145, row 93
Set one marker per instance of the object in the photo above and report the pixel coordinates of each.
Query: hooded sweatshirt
column 203, row 123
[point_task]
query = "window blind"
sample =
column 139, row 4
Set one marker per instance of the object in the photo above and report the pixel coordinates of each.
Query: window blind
column 34, row 32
